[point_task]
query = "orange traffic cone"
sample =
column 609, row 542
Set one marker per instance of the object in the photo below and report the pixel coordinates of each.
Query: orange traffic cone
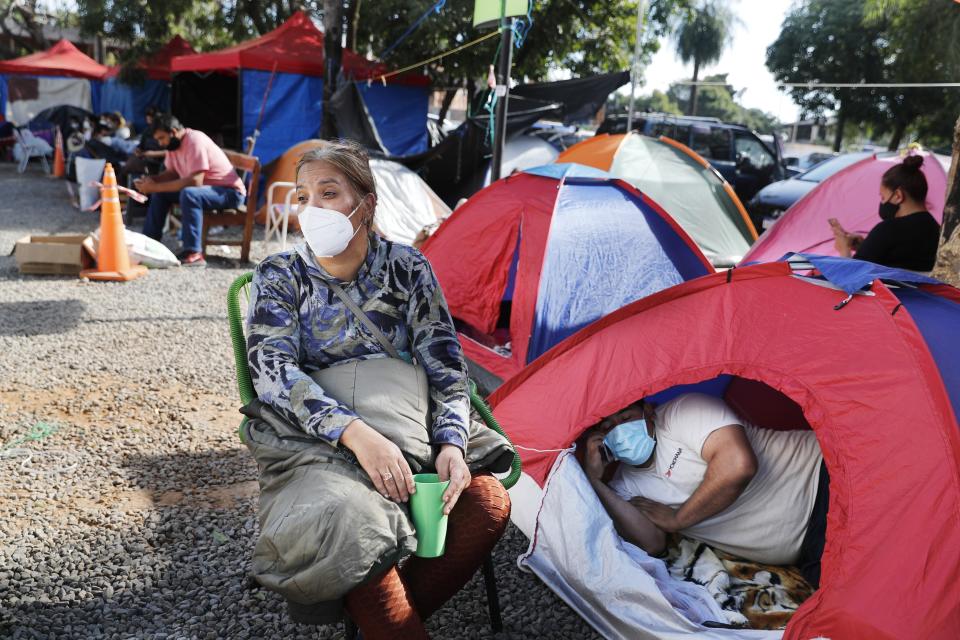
column 58, row 167
column 113, row 261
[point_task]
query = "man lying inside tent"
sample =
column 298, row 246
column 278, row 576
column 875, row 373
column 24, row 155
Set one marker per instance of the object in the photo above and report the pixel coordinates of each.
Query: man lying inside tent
column 693, row 466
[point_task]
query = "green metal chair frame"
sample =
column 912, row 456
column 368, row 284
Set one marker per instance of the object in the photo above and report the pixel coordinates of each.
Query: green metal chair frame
column 241, row 287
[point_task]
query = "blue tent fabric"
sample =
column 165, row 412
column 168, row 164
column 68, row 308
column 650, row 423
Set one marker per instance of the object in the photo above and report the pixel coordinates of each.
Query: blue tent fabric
column 937, row 319
column 400, row 116
column 96, row 88
column 606, row 248
column 293, row 111
column 3, row 96
column 560, row 170
column 852, row 275
column 132, row 100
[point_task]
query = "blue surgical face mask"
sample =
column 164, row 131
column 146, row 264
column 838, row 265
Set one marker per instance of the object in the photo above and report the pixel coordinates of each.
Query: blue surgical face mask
column 630, row 442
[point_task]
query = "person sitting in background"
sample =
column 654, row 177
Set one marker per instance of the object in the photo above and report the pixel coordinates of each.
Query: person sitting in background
column 693, row 466
column 907, row 236
column 148, row 156
column 198, row 176
column 118, row 125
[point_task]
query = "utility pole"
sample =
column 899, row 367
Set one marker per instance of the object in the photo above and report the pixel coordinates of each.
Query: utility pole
column 332, row 53
column 634, row 68
column 502, row 90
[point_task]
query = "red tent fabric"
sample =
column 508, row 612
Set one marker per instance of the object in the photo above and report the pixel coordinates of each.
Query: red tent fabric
column 157, row 66
column 62, row 59
column 296, row 46
column 883, row 417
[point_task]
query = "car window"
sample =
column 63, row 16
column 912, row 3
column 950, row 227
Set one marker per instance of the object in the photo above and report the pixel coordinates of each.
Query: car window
column 679, row 132
column 827, row 168
column 712, row 144
column 753, row 151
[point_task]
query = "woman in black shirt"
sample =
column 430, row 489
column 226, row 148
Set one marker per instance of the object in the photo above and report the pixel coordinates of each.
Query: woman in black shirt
column 907, row 236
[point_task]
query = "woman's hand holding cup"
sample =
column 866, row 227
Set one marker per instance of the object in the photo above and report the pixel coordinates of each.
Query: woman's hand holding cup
column 451, row 466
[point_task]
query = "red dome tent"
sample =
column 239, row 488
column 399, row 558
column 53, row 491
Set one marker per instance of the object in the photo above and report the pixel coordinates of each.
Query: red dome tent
column 287, row 66
column 874, row 378
column 554, row 248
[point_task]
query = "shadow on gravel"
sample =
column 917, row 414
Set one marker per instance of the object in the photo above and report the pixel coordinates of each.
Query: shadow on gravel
column 40, row 317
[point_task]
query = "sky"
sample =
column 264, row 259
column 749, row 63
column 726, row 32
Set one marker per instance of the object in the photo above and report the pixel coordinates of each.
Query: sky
column 743, row 60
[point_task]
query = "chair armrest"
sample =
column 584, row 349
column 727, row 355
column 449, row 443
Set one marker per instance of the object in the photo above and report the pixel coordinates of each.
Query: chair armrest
column 273, row 186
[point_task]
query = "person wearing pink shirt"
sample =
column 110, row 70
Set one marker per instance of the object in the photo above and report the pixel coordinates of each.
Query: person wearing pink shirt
column 198, row 176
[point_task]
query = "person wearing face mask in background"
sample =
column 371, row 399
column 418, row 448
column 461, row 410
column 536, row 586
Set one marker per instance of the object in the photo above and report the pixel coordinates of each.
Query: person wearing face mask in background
column 907, row 235
column 300, row 327
column 198, row 176
column 692, row 466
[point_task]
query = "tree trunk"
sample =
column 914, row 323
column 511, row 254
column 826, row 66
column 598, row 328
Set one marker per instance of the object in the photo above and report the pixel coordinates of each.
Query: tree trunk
column 897, row 136
column 838, row 135
column 694, row 88
column 445, row 106
column 948, row 257
column 332, row 51
column 353, row 22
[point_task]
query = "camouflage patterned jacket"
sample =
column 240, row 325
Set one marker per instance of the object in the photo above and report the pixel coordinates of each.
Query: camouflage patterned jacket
column 297, row 325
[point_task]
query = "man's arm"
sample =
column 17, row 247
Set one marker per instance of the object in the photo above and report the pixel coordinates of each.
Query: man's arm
column 193, row 180
column 632, row 525
column 731, row 464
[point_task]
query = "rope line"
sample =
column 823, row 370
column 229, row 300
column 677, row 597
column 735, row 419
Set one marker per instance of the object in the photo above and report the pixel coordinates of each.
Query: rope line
column 437, row 6
column 383, row 77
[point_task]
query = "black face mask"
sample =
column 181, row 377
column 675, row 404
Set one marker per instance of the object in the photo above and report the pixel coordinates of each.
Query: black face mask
column 174, row 144
column 888, row 210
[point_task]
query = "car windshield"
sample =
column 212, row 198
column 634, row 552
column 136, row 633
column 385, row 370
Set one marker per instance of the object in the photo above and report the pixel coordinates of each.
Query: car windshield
column 827, row 168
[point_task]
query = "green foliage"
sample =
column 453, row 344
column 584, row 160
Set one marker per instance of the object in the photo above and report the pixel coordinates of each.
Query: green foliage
column 702, row 32
column 874, row 41
column 582, row 36
column 721, row 102
column 656, row 102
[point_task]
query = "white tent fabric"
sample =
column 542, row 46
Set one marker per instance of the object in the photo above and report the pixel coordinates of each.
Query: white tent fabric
column 686, row 191
column 405, row 204
column 524, row 152
column 616, row 587
column 29, row 95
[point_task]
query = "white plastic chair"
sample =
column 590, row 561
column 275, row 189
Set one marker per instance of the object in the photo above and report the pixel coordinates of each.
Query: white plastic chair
column 31, row 147
column 278, row 215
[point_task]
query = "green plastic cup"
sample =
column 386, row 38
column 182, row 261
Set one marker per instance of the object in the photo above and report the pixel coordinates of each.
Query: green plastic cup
column 426, row 508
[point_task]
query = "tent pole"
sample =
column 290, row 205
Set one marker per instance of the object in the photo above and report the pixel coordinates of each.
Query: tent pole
column 503, row 93
column 641, row 14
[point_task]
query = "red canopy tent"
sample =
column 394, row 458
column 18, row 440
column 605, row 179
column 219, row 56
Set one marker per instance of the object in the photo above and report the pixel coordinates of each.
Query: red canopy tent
column 296, row 46
column 62, row 59
column 157, row 66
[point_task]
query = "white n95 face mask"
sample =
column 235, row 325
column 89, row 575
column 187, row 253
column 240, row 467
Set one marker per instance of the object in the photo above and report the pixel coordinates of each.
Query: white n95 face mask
column 327, row 231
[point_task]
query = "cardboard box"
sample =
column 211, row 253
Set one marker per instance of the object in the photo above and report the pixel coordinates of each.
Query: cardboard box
column 54, row 255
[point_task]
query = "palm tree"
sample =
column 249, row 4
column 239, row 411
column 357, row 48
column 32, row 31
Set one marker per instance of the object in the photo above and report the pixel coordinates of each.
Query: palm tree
column 701, row 35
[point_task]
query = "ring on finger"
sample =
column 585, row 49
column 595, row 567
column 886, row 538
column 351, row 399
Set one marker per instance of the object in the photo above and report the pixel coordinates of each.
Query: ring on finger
column 386, row 475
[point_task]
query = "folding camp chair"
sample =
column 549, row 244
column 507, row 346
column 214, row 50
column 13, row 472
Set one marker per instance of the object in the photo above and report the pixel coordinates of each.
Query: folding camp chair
column 238, row 293
column 278, row 215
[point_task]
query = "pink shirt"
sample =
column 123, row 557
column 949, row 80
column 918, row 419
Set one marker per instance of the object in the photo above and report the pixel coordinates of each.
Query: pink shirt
column 198, row 152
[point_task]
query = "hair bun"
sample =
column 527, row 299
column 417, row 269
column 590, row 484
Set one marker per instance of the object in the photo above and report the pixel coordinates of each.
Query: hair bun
column 913, row 162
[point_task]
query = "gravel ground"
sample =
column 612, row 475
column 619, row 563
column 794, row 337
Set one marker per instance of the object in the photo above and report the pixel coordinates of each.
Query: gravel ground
column 127, row 504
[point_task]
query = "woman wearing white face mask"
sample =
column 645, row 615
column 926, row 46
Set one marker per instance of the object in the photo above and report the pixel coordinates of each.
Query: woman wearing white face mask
column 347, row 297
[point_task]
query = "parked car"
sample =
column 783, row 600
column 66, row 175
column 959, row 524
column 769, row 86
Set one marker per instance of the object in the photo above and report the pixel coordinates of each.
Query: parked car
column 771, row 201
column 798, row 164
column 739, row 154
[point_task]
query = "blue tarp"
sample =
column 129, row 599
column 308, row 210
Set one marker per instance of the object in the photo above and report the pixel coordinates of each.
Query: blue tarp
column 96, row 88
column 293, row 111
column 605, row 249
column 400, row 115
column 852, row 275
column 133, row 100
column 3, row 97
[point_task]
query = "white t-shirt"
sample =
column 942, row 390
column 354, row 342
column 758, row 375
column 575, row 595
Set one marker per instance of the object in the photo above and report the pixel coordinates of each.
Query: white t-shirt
column 768, row 520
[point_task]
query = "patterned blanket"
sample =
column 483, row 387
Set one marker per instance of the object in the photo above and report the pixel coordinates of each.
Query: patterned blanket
column 758, row 596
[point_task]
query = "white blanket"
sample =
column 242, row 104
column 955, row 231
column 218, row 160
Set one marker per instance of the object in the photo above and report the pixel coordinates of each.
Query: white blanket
column 615, row 586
